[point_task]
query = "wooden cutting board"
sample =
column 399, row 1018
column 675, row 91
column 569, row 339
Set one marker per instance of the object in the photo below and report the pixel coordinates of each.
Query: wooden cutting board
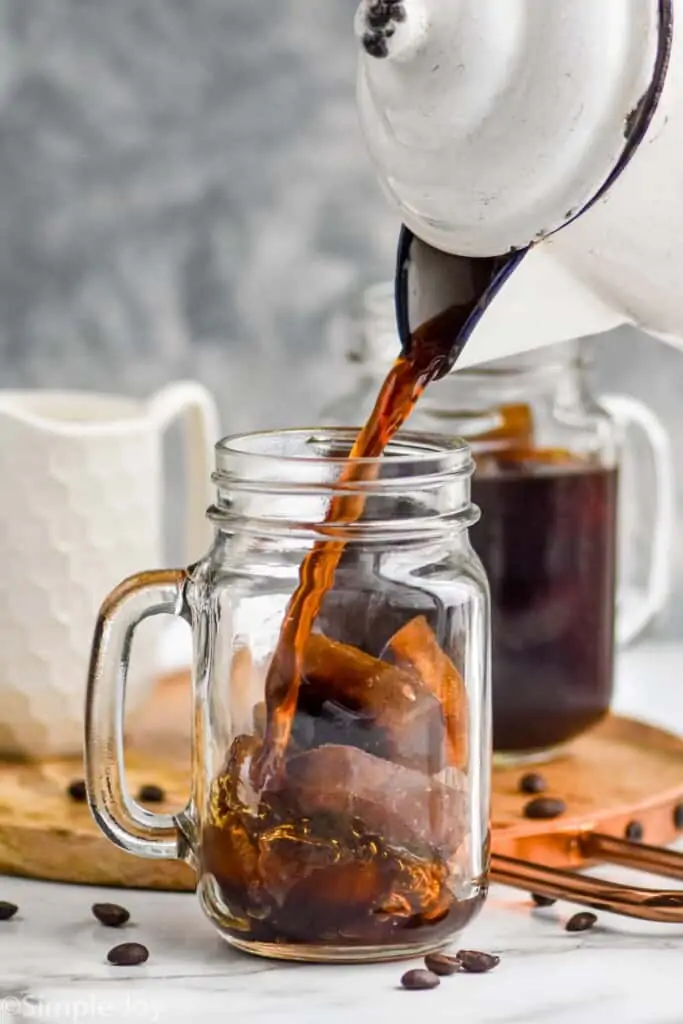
column 620, row 771
column 623, row 772
column 44, row 834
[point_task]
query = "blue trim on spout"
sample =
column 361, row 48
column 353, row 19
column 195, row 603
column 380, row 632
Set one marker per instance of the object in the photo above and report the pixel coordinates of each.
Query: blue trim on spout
column 506, row 266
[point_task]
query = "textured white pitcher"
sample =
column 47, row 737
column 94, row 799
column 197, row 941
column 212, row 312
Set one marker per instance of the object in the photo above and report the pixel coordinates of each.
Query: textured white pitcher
column 81, row 507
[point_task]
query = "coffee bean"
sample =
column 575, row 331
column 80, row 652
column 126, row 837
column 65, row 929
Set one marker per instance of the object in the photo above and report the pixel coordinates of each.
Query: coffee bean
column 678, row 816
column 532, row 783
column 634, row 832
column 544, row 808
column 543, row 901
column 151, row 794
column 128, row 954
column 7, row 910
column 441, row 964
column 581, row 922
column 110, row 914
column 476, row 963
column 77, row 791
column 419, row 980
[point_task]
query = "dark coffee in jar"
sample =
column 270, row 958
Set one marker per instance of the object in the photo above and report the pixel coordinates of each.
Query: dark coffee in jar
column 547, row 539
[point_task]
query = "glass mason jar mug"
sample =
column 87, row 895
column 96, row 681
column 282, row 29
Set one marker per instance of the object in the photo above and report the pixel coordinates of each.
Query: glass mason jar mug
column 367, row 836
column 566, row 511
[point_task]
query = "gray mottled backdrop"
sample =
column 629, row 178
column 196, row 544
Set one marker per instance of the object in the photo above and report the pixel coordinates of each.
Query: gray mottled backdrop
column 183, row 192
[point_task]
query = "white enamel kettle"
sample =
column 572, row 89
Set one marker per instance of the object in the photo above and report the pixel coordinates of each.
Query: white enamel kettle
column 549, row 135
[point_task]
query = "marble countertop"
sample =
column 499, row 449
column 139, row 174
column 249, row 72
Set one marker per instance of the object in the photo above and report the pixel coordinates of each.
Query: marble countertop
column 53, row 966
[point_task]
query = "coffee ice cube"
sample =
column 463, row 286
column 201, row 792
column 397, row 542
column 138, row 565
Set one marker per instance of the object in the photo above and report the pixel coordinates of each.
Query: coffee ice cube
column 358, row 792
column 415, row 647
column 397, row 716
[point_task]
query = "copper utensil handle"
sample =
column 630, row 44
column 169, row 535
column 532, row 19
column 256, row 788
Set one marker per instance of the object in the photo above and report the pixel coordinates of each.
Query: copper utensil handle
column 630, row 901
column 654, row 859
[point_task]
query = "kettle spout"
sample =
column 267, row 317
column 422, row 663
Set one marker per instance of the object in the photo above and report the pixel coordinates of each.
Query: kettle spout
column 392, row 28
column 445, row 294
column 532, row 299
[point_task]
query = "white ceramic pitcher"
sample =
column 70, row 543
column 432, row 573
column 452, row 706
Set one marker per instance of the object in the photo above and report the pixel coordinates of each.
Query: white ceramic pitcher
column 81, row 507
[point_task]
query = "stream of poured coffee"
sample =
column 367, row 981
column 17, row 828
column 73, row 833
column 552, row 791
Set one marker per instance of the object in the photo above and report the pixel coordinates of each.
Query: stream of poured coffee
column 430, row 354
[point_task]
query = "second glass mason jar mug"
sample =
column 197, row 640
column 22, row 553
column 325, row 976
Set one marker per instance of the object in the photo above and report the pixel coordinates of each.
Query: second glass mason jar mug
column 565, row 512
column 369, row 838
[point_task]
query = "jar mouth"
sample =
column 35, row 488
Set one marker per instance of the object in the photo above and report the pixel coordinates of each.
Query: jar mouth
column 287, row 477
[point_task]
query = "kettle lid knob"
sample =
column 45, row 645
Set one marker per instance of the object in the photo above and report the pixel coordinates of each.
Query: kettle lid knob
column 392, row 28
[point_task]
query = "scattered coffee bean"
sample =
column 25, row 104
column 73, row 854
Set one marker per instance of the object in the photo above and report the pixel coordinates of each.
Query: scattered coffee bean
column 581, row 922
column 151, row 794
column 678, row 816
column 419, row 979
column 634, row 831
column 545, row 807
column 532, row 783
column 110, row 914
column 7, row 910
column 128, row 954
column 475, row 962
column 77, row 791
column 543, row 901
column 441, row 964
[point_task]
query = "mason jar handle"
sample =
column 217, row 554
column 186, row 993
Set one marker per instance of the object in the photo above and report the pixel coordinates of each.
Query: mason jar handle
column 197, row 407
column 121, row 818
column 636, row 614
